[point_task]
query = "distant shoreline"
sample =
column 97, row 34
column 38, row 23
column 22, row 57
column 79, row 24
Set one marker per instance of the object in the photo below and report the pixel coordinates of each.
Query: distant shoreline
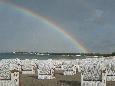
column 47, row 53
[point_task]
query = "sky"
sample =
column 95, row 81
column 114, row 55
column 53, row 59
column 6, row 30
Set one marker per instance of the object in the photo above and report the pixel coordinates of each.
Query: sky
column 90, row 21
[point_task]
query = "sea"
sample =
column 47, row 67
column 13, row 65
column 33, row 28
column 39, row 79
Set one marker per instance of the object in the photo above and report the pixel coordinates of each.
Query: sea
column 35, row 56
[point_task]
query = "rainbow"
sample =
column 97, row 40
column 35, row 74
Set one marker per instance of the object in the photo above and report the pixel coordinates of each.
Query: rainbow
column 77, row 43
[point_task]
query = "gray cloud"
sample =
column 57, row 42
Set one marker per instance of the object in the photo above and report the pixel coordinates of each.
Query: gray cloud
column 91, row 21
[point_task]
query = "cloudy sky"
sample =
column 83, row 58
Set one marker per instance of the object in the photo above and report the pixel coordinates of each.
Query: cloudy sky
column 90, row 21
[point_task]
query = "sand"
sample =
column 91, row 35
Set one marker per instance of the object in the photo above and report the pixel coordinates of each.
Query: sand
column 60, row 80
